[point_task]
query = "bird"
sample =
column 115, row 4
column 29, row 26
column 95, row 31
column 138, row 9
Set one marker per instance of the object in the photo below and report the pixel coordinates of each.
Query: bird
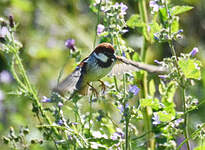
column 101, row 62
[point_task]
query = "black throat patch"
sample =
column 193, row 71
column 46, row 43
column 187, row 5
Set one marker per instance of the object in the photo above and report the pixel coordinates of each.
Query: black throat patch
column 106, row 64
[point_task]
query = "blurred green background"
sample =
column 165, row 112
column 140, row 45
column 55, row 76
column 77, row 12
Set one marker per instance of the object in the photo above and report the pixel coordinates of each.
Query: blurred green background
column 45, row 25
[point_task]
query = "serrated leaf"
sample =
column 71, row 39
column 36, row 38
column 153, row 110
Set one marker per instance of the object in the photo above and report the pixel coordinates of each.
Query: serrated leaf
column 176, row 10
column 135, row 21
column 190, row 68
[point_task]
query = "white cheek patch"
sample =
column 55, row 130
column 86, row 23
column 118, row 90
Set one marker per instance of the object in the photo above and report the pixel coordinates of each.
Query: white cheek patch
column 101, row 57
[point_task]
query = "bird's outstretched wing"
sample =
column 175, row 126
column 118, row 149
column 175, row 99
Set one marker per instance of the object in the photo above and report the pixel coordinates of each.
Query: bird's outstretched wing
column 124, row 65
column 72, row 82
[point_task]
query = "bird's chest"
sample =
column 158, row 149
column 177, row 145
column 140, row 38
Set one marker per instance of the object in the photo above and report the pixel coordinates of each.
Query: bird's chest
column 95, row 72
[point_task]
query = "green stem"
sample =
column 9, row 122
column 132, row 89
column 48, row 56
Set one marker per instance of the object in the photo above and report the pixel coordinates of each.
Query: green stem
column 186, row 128
column 32, row 92
column 98, row 20
column 171, row 45
column 90, row 115
column 126, row 114
column 191, row 136
column 127, row 132
column 186, row 134
column 147, row 112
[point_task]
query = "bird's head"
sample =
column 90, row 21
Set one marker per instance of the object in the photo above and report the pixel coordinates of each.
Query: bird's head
column 104, row 51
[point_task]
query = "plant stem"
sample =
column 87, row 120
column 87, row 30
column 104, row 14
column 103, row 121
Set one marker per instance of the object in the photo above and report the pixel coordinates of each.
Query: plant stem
column 171, row 45
column 127, row 134
column 183, row 96
column 32, row 92
column 186, row 129
column 126, row 114
column 98, row 20
column 147, row 112
column 90, row 115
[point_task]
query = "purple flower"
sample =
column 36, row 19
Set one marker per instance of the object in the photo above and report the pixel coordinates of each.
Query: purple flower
column 123, row 54
column 100, row 28
column 116, row 5
column 2, row 96
column 123, row 8
column 156, row 36
column 118, row 134
column 157, row 62
column 180, row 31
column 121, row 107
column 46, row 100
column 156, row 119
column 4, row 32
column 5, row 77
column 60, row 122
column 70, row 43
column 60, row 104
column 154, row 5
column 178, row 121
column 134, row 89
column 194, row 51
column 162, row 76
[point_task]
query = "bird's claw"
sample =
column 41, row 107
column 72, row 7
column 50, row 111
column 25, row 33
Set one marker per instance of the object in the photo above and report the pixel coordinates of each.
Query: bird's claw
column 93, row 90
column 102, row 85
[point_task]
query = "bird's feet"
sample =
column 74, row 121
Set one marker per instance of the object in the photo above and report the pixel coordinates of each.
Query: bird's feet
column 93, row 90
column 102, row 85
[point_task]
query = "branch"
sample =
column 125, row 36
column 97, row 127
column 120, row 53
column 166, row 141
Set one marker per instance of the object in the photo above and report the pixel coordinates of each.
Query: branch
column 149, row 68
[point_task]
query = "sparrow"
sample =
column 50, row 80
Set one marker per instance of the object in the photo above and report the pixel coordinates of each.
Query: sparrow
column 97, row 65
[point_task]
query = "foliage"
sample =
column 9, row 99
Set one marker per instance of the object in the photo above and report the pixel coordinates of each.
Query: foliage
column 137, row 111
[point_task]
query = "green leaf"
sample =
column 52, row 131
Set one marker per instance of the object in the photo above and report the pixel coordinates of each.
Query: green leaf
column 135, row 21
column 152, row 87
column 163, row 15
column 169, row 93
column 23, row 5
column 175, row 25
column 155, row 27
column 136, row 57
column 190, row 68
column 154, row 103
column 176, row 10
column 200, row 147
column 164, row 116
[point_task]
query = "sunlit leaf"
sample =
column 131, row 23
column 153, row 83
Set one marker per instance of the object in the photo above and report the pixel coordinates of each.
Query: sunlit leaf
column 176, row 10
column 169, row 93
column 175, row 25
column 152, row 87
column 200, row 147
column 135, row 21
column 163, row 15
column 190, row 68
column 154, row 27
column 164, row 116
column 154, row 103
